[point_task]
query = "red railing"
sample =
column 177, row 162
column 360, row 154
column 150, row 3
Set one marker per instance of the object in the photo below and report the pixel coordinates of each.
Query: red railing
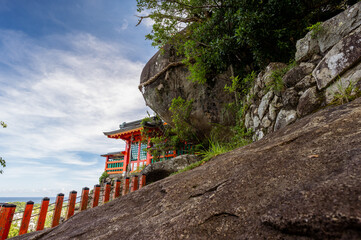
column 7, row 211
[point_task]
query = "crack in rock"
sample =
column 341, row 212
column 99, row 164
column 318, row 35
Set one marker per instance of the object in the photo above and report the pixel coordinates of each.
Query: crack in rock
column 212, row 189
column 221, row 214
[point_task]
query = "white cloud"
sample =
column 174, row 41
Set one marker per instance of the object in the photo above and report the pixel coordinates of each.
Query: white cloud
column 58, row 101
column 124, row 26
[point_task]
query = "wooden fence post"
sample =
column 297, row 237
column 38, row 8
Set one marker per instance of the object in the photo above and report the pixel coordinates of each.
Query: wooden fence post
column 6, row 216
column 43, row 214
column 71, row 204
column 134, row 183
column 117, row 189
column 26, row 218
column 57, row 210
column 84, row 199
column 96, row 195
column 107, row 192
column 126, row 186
column 142, row 181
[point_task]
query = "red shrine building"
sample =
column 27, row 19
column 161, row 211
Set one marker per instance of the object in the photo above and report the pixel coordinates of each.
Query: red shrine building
column 135, row 155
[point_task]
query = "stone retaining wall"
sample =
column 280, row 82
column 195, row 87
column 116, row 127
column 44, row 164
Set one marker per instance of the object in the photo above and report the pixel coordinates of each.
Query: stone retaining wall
column 327, row 70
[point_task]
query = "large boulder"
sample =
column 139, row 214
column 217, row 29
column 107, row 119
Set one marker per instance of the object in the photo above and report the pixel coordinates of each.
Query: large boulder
column 164, row 78
column 302, row 182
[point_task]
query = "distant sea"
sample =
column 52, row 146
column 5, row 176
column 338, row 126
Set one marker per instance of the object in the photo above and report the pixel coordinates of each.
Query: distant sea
column 24, row 199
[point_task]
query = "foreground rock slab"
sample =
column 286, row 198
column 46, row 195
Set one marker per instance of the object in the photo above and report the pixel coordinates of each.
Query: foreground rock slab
column 301, row 182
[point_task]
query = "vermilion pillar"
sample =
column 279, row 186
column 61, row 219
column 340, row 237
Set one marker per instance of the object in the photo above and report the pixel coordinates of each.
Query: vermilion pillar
column 96, row 195
column 127, row 155
column 57, row 210
column 139, row 148
column 117, row 189
column 107, row 192
column 26, row 218
column 134, row 183
column 42, row 214
column 6, row 216
column 84, row 198
column 71, row 204
column 142, row 181
column 126, row 186
column 148, row 153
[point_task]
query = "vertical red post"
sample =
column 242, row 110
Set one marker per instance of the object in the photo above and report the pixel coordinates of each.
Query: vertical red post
column 117, row 189
column 142, row 181
column 126, row 186
column 71, row 204
column 84, row 199
column 107, row 192
column 127, row 154
column 96, row 195
column 134, row 183
column 6, row 216
column 148, row 153
column 26, row 218
column 57, row 210
column 42, row 214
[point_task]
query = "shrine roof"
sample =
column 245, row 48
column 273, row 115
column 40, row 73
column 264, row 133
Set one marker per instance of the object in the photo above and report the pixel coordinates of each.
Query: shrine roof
column 130, row 127
column 113, row 154
column 126, row 127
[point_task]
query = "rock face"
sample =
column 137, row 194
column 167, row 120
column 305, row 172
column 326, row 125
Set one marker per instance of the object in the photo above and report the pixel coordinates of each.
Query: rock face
column 340, row 58
column 301, row 182
column 331, row 32
column 328, row 63
column 209, row 99
column 160, row 170
column 309, row 102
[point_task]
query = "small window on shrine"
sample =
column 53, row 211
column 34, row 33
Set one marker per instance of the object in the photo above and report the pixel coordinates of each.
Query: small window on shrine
column 143, row 152
column 134, row 151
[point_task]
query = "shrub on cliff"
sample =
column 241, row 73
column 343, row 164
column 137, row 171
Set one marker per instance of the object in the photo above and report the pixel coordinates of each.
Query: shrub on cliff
column 103, row 177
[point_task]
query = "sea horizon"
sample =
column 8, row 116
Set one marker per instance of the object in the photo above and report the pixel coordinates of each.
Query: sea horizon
column 24, row 199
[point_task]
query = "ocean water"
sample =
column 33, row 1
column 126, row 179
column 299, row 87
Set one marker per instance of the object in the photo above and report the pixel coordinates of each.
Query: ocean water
column 24, row 199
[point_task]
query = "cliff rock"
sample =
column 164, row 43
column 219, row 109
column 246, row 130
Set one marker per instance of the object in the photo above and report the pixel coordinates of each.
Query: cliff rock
column 301, row 182
column 164, row 78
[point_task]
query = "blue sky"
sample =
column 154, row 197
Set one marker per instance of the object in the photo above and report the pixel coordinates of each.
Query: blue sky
column 69, row 70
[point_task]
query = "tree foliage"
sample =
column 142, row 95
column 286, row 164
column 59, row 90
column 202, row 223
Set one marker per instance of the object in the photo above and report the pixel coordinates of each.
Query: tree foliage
column 103, row 177
column 167, row 137
column 248, row 34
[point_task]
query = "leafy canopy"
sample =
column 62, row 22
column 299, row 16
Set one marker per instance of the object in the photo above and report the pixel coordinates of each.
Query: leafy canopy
column 247, row 34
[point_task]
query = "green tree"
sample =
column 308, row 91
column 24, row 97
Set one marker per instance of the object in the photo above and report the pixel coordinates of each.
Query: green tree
column 103, row 177
column 2, row 161
column 247, row 34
